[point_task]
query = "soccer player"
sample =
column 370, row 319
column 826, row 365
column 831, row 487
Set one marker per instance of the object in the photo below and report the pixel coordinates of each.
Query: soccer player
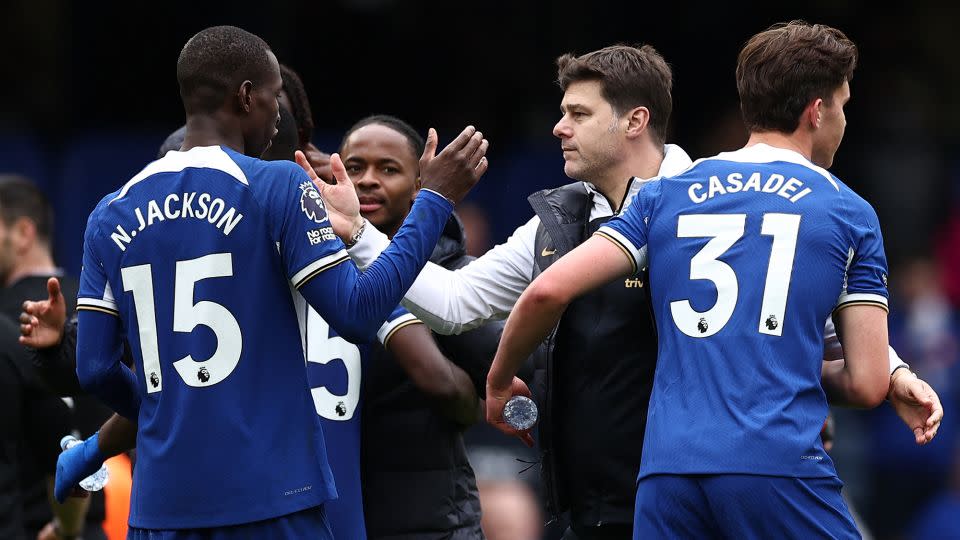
column 749, row 252
column 616, row 107
column 193, row 260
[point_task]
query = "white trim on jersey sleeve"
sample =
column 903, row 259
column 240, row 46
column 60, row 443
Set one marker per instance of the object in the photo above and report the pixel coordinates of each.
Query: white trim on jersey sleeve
column 849, row 299
column 311, row 270
column 94, row 304
column 390, row 327
column 200, row 157
column 637, row 256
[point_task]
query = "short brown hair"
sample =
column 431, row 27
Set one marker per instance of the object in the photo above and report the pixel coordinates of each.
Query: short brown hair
column 782, row 69
column 19, row 198
column 629, row 77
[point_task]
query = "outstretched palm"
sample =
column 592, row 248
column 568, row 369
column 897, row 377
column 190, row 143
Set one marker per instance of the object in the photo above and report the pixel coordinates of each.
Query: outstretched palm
column 340, row 198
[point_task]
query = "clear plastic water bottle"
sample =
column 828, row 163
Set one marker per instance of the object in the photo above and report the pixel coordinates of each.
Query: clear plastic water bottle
column 520, row 413
column 95, row 481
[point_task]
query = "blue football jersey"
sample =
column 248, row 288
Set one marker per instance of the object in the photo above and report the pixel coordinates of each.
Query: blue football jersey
column 198, row 255
column 749, row 252
column 335, row 369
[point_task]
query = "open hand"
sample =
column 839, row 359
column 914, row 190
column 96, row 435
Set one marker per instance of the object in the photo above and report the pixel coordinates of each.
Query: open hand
column 41, row 323
column 340, row 198
column 456, row 169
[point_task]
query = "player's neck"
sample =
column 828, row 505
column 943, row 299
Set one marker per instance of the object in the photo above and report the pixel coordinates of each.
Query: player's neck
column 209, row 130
column 36, row 262
column 642, row 163
column 789, row 141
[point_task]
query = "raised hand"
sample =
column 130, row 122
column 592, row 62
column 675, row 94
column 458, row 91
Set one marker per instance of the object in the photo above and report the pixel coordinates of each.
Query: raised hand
column 917, row 404
column 340, row 199
column 41, row 323
column 456, row 169
column 497, row 399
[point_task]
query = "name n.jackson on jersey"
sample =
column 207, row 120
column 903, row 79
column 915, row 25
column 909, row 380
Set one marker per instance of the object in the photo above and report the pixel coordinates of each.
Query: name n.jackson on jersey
column 209, row 208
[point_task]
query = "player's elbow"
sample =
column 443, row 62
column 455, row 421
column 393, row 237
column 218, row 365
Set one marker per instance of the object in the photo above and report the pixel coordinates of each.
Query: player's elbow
column 90, row 378
column 871, row 393
column 355, row 329
column 546, row 293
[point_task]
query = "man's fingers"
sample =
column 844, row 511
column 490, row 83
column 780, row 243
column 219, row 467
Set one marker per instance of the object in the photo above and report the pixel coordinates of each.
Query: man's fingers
column 339, row 171
column 481, row 168
column 53, row 289
column 304, row 164
column 472, row 147
column 527, row 439
column 935, row 417
column 478, row 154
column 430, row 148
column 462, row 139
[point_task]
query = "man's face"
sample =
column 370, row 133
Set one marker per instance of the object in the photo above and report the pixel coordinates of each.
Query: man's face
column 7, row 252
column 384, row 169
column 261, row 124
column 589, row 132
column 833, row 122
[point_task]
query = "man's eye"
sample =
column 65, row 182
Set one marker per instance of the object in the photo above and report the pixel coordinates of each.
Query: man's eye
column 391, row 170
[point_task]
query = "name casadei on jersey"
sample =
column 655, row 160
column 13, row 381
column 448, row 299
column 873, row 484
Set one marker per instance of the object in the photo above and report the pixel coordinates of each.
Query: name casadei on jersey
column 791, row 189
column 209, row 208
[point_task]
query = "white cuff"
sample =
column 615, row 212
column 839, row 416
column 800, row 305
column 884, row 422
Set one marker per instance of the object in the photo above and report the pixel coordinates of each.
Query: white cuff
column 896, row 361
column 369, row 246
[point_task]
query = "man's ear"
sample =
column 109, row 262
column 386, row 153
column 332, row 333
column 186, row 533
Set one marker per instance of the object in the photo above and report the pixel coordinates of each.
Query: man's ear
column 245, row 96
column 637, row 120
column 813, row 114
column 23, row 234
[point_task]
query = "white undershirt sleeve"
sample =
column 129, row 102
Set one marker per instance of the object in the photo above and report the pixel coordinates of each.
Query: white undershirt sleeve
column 451, row 302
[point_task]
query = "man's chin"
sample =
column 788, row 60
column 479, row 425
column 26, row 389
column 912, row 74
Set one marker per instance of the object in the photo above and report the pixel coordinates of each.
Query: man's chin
column 572, row 171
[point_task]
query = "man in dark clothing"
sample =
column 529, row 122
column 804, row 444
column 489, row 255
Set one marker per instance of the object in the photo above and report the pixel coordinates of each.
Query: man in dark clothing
column 26, row 264
column 31, row 425
column 417, row 480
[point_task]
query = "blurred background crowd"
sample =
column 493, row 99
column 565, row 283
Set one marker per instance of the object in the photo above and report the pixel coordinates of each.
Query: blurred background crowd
column 90, row 94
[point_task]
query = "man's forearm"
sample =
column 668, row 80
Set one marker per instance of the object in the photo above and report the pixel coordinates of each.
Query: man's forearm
column 117, row 435
column 537, row 312
column 69, row 516
column 454, row 301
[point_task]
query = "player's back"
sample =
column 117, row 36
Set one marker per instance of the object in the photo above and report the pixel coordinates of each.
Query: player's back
column 227, row 430
column 748, row 255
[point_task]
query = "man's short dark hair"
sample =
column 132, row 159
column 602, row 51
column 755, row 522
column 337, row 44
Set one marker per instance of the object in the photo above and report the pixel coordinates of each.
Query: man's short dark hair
column 629, row 77
column 19, row 197
column 299, row 103
column 782, row 69
column 414, row 139
column 214, row 63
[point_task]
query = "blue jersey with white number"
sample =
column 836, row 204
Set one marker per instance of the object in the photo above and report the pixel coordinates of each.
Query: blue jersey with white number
column 749, row 252
column 335, row 369
column 197, row 255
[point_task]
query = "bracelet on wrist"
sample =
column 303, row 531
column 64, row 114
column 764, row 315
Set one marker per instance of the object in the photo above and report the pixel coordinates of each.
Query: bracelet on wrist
column 356, row 236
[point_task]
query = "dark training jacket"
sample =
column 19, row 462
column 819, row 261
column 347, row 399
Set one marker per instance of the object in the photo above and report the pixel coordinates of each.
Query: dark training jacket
column 417, row 481
column 593, row 376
